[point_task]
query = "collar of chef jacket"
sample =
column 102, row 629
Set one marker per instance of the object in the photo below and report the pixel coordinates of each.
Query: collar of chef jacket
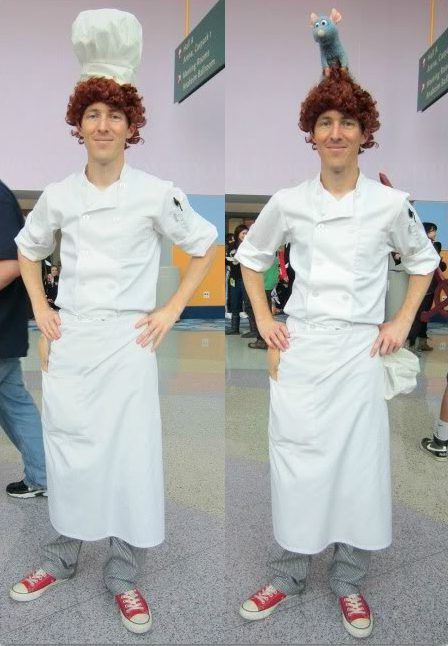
column 329, row 208
column 95, row 199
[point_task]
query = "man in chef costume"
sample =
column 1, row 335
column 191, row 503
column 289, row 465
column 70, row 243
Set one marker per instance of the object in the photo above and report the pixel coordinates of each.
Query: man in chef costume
column 328, row 427
column 100, row 401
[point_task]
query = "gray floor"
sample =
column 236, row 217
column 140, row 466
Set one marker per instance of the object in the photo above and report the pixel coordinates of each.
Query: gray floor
column 406, row 587
column 182, row 579
column 407, row 584
column 217, row 540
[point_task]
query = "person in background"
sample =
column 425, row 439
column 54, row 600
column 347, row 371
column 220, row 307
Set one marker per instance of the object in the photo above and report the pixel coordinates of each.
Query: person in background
column 19, row 416
column 419, row 329
column 51, row 286
column 229, row 243
column 437, row 445
column 235, row 280
column 270, row 278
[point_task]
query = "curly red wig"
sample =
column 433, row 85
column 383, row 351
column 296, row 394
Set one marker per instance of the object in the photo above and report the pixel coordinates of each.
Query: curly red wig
column 103, row 90
column 339, row 92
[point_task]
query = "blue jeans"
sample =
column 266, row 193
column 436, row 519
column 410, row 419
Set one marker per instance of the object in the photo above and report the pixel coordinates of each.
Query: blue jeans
column 20, row 420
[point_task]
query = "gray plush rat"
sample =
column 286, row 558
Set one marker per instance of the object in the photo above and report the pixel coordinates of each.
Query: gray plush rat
column 325, row 32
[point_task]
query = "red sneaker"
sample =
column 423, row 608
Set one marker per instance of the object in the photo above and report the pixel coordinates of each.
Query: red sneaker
column 134, row 611
column 356, row 615
column 262, row 603
column 33, row 585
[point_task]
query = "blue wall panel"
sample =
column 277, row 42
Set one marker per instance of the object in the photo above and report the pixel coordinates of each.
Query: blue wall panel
column 436, row 212
column 212, row 208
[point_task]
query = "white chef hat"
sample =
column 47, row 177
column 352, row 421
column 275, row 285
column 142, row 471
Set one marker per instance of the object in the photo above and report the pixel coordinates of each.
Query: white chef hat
column 108, row 43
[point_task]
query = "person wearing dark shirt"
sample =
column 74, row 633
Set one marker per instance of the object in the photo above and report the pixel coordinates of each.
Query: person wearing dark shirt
column 419, row 328
column 236, row 281
column 19, row 417
column 51, row 286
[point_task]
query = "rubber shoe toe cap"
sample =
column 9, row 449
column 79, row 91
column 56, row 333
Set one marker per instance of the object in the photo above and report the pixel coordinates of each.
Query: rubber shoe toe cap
column 250, row 606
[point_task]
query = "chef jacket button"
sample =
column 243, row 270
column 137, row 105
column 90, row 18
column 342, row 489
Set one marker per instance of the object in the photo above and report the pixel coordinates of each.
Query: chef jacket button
column 320, row 226
column 116, row 218
column 345, row 297
column 315, row 294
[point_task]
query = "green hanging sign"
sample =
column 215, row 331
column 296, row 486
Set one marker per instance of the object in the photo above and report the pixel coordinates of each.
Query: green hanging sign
column 433, row 73
column 201, row 54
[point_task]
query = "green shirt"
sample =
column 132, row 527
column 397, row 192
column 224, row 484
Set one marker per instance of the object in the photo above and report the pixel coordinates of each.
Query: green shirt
column 271, row 276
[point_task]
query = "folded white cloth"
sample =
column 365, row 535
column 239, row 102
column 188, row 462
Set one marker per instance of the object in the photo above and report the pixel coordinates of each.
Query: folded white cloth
column 400, row 373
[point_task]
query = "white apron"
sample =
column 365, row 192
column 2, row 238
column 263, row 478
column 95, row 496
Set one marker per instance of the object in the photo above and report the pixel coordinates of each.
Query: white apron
column 329, row 441
column 102, row 433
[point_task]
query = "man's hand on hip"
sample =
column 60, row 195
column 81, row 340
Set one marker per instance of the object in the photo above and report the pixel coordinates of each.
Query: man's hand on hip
column 275, row 334
column 48, row 322
column 391, row 338
column 157, row 325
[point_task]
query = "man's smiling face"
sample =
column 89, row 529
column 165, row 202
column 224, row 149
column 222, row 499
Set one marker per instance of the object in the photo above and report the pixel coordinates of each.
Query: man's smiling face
column 338, row 138
column 105, row 130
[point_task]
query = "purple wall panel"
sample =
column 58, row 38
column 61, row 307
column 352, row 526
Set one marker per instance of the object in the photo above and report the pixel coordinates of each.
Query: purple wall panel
column 272, row 61
column 183, row 142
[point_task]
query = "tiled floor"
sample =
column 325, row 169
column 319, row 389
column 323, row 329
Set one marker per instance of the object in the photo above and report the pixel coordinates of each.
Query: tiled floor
column 407, row 585
column 196, row 579
column 179, row 575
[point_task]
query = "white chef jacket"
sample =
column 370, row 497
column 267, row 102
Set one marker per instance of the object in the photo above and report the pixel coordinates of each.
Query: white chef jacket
column 339, row 248
column 111, row 242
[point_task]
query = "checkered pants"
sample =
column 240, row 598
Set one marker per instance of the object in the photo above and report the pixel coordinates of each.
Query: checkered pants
column 60, row 559
column 288, row 570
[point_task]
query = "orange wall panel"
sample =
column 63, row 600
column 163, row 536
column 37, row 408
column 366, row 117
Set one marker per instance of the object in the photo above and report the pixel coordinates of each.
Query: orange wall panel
column 213, row 283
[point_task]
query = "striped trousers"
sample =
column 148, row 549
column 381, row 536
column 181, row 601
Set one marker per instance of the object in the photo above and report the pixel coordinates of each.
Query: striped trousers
column 60, row 559
column 288, row 570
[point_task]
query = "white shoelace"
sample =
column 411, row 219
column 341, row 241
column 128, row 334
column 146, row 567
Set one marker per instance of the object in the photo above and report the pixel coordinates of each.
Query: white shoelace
column 265, row 593
column 355, row 604
column 132, row 601
column 36, row 576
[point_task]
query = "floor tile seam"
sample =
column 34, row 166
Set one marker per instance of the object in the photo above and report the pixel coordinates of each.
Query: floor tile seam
column 247, row 624
column 218, row 394
column 182, row 558
column 252, row 506
column 211, row 515
column 407, row 561
column 423, row 515
column 106, row 592
column 44, row 615
column 208, row 548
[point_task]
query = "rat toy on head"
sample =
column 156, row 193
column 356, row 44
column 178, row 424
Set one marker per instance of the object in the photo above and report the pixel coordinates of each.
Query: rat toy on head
column 325, row 32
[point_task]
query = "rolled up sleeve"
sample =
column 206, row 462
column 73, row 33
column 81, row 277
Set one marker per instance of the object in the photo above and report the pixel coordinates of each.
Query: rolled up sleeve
column 265, row 236
column 37, row 239
column 408, row 237
column 179, row 222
